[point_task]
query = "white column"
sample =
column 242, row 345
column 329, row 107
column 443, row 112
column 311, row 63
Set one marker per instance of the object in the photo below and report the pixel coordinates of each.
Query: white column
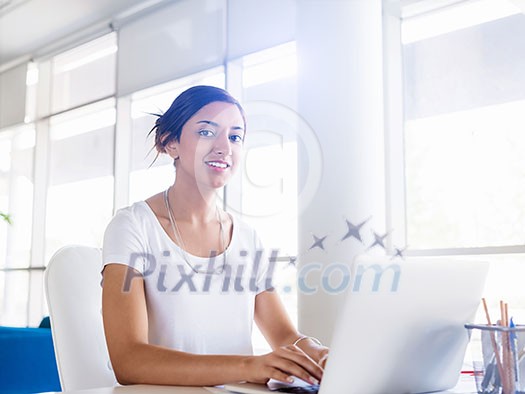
column 341, row 99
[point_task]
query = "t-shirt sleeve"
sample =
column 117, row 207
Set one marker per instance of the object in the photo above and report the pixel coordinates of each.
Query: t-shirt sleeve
column 123, row 242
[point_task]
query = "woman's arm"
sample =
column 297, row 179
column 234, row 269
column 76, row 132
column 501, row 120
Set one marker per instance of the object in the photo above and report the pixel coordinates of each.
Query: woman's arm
column 274, row 323
column 135, row 361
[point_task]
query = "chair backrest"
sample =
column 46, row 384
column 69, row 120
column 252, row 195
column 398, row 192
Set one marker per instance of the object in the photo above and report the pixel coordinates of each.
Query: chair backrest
column 74, row 297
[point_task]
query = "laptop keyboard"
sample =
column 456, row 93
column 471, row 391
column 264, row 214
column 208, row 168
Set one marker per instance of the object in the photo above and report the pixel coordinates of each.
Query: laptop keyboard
column 312, row 389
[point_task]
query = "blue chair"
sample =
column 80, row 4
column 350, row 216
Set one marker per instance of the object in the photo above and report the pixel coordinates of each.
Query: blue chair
column 27, row 361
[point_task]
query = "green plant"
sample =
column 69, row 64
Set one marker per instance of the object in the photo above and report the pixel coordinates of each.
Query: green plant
column 6, row 217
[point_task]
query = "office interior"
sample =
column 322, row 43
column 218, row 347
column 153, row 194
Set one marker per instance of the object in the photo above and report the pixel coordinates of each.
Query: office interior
column 385, row 127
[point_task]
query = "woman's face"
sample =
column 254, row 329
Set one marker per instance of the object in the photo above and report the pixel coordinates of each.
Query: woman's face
column 210, row 146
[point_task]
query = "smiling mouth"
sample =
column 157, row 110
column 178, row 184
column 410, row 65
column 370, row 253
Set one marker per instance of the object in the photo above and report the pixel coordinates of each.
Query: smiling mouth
column 218, row 164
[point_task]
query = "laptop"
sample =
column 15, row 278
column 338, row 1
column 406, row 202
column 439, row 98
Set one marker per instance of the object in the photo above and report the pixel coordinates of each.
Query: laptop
column 401, row 328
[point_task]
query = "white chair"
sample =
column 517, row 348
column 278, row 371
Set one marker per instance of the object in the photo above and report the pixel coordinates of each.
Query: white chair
column 74, row 297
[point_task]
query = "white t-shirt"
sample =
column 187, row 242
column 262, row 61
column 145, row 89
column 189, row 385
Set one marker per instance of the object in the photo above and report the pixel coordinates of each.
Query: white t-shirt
column 192, row 312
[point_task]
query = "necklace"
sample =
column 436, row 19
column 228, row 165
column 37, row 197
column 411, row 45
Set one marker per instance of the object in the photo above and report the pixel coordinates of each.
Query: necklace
column 182, row 247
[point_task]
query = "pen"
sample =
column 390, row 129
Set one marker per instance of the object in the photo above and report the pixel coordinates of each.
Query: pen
column 514, row 349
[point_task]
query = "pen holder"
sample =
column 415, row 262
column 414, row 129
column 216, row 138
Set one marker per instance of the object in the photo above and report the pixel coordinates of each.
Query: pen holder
column 498, row 358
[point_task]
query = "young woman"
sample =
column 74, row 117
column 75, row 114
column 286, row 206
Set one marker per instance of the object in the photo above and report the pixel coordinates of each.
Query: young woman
column 183, row 280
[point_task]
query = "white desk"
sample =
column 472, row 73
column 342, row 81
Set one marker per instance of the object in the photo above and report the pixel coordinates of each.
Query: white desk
column 465, row 386
column 146, row 389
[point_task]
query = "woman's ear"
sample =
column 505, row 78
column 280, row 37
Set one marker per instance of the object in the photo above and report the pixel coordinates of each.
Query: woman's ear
column 172, row 150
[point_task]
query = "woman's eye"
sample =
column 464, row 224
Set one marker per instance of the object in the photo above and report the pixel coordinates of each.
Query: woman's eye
column 236, row 138
column 206, row 133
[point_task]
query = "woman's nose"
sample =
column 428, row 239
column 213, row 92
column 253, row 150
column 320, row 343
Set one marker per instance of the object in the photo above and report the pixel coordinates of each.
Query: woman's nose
column 223, row 145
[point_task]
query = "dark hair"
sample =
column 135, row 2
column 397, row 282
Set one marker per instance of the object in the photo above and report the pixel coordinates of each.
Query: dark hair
column 168, row 126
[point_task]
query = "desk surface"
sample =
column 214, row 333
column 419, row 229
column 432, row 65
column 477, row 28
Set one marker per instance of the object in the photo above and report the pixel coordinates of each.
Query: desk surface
column 465, row 386
column 147, row 389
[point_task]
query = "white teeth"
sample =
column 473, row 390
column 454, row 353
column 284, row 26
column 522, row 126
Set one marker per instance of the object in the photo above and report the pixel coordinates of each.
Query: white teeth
column 217, row 164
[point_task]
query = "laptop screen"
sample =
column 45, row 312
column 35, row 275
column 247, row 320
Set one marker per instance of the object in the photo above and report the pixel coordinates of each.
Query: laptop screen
column 402, row 326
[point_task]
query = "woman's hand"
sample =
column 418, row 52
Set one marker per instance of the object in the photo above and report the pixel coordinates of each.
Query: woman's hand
column 282, row 364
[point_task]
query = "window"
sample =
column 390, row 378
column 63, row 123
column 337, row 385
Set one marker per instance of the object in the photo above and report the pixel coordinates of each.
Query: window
column 16, row 199
column 80, row 191
column 463, row 138
column 466, row 178
column 84, row 74
column 269, row 182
